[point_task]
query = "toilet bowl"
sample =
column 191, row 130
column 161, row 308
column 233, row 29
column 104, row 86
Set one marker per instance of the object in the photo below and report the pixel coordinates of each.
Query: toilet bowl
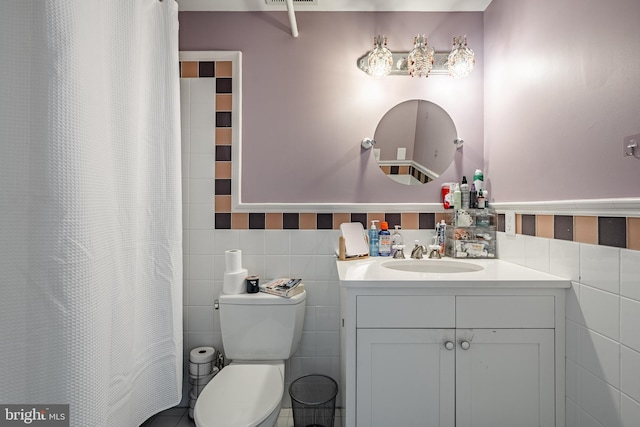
column 242, row 396
column 259, row 332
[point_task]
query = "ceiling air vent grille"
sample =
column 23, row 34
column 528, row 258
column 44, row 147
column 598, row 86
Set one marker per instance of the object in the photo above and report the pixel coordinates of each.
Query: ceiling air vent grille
column 305, row 2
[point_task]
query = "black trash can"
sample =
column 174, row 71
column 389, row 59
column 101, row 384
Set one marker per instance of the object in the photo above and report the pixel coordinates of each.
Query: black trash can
column 313, row 400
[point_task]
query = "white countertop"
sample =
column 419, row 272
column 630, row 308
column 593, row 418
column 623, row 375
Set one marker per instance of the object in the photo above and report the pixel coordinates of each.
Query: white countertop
column 369, row 273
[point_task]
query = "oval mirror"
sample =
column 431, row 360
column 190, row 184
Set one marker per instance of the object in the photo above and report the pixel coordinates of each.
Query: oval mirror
column 415, row 142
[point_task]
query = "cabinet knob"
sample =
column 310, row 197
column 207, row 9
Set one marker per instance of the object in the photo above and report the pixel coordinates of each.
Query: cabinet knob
column 465, row 345
column 449, row 345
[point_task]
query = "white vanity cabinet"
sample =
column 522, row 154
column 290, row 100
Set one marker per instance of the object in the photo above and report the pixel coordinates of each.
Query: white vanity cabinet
column 433, row 355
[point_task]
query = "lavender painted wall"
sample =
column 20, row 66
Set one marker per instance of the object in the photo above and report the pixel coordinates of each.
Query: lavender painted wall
column 306, row 106
column 562, row 90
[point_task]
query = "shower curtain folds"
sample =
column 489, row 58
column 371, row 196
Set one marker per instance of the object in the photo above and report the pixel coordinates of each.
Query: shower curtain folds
column 90, row 202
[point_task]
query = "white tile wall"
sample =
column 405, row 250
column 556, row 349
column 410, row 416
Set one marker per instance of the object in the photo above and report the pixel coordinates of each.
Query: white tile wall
column 602, row 326
column 267, row 253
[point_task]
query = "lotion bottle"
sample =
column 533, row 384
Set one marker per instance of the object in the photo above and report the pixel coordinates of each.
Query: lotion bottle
column 373, row 239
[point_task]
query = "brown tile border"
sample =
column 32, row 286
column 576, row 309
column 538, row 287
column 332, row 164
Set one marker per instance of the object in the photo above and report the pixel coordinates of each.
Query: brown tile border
column 585, row 228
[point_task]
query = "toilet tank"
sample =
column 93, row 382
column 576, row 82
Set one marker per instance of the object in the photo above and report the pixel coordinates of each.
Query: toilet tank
column 261, row 326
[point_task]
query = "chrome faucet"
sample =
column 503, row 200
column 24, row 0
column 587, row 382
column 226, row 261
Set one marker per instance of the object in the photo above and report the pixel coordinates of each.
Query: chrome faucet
column 417, row 251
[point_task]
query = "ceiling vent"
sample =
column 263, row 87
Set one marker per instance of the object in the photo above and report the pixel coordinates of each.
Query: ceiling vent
column 295, row 2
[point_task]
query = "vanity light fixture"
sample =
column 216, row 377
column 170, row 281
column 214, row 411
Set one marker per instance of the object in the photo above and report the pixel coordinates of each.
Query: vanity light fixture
column 380, row 59
column 421, row 61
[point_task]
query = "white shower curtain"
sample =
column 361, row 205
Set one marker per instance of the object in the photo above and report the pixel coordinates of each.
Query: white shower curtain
column 90, row 208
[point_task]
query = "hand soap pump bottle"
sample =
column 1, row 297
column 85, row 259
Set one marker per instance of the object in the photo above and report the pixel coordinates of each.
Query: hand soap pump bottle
column 373, row 239
column 397, row 242
column 384, row 242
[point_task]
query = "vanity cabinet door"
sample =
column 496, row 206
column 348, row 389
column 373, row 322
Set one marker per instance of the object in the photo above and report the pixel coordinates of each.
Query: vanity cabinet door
column 405, row 377
column 505, row 377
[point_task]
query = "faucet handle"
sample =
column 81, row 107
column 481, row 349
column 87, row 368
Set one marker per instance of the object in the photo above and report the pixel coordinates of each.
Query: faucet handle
column 399, row 253
column 435, row 249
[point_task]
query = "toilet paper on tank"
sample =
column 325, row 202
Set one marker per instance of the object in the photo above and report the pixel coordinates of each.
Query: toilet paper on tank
column 233, row 260
column 234, row 283
column 202, row 355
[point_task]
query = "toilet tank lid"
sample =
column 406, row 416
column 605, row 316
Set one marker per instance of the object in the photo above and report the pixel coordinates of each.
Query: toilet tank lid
column 261, row 298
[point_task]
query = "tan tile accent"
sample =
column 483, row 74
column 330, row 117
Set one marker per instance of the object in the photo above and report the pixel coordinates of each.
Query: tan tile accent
column 307, row 221
column 273, row 221
column 410, row 220
column 386, row 169
column 518, row 223
column 240, row 221
column 443, row 215
column 224, row 69
column 189, row 69
column 223, row 136
column 633, row 233
column 585, row 229
column 223, row 204
column 339, row 218
column 544, row 226
column 224, row 102
column 223, row 169
column 372, row 216
column 403, row 170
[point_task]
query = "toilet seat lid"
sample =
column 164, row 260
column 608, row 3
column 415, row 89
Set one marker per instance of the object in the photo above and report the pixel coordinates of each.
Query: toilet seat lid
column 240, row 396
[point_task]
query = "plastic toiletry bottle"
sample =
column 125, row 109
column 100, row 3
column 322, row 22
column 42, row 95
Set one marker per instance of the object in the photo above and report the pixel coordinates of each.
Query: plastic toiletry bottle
column 478, row 180
column 373, row 239
column 440, row 233
column 457, row 197
column 444, row 195
column 465, row 193
column 384, row 239
column 396, row 239
column 473, row 197
column 480, row 199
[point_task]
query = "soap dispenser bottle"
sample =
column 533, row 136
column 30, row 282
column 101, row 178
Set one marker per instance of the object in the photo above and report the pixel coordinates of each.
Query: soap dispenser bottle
column 396, row 240
column 373, row 239
column 384, row 242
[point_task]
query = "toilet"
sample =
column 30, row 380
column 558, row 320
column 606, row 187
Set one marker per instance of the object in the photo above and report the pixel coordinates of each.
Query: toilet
column 259, row 332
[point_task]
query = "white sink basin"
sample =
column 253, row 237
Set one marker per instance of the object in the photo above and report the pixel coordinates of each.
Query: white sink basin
column 431, row 266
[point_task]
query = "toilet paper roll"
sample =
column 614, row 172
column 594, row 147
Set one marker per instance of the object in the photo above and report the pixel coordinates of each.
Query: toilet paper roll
column 200, row 380
column 202, row 355
column 233, row 260
column 234, row 283
column 200, row 369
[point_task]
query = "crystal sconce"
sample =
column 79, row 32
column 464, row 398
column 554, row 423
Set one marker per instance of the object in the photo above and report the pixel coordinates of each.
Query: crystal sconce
column 461, row 59
column 380, row 59
column 422, row 61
